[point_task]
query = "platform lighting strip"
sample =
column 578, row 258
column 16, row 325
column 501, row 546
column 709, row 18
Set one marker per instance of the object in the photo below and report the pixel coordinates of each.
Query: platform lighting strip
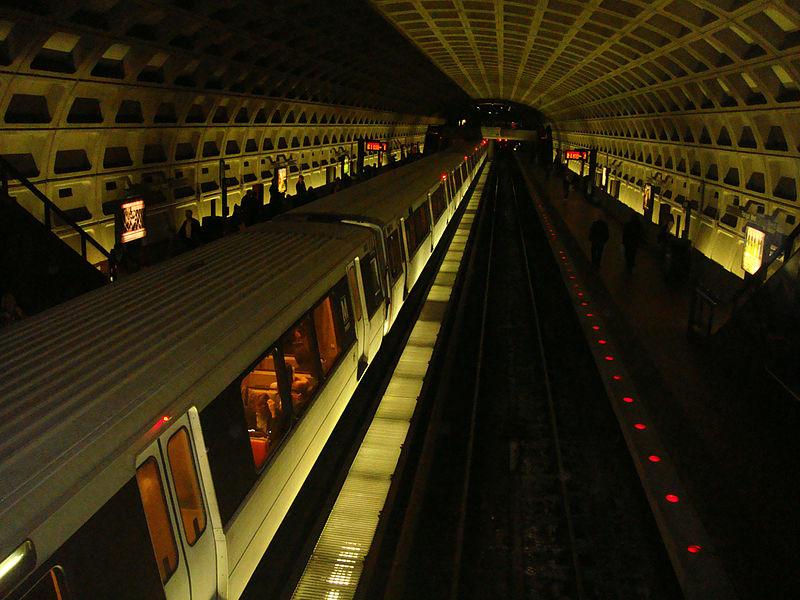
column 697, row 566
column 334, row 568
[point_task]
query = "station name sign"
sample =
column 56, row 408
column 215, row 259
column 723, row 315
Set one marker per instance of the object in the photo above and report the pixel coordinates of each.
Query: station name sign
column 576, row 155
column 371, row 145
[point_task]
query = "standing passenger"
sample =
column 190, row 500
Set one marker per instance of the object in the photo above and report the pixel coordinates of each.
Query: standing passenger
column 300, row 191
column 190, row 231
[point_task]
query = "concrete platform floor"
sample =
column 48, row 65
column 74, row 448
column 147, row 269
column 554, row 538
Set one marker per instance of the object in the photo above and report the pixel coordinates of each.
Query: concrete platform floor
column 731, row 430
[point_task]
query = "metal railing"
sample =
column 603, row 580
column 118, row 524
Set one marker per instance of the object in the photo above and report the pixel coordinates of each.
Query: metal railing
column 9, row 171
column 707, row 314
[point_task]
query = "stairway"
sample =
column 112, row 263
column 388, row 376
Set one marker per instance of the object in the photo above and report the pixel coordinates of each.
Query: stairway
column 36, row 266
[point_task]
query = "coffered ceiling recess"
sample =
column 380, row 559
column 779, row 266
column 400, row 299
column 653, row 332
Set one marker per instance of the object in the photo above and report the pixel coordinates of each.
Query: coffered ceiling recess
column 598, row 58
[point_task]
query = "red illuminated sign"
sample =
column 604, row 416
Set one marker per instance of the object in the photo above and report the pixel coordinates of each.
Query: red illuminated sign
column 577, row 155
column 380, row 146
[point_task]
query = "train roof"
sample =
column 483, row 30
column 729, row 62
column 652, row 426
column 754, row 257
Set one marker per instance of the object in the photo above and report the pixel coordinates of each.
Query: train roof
column 85, row 379
column 381, row 198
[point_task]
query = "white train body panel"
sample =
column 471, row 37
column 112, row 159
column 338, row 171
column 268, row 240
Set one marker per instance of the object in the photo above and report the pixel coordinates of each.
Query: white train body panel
column 89, row 387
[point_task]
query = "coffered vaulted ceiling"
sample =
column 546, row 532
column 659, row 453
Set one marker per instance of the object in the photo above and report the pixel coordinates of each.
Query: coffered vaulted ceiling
column 581, row 58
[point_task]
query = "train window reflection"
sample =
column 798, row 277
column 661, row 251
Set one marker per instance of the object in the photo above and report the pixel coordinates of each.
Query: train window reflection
column 187, row 486
column 438, row 203
column 49, row 587
column 302, row 364
column 155, row 509
column 327, row 342
column 264, row 409
column 373, row 293
column 395, row 255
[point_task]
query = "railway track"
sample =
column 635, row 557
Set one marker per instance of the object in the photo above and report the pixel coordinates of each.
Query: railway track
column 527, row 489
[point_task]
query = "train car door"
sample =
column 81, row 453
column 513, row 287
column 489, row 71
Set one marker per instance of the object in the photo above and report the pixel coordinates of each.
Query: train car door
column 177, row 512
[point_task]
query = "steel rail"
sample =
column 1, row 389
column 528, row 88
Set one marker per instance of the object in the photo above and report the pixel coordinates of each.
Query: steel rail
column 462, row 510
column 551, row 406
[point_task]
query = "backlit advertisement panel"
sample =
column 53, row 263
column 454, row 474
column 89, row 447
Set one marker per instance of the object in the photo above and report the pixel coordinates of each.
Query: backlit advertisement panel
column 753, row 249
column 133, row 221
column 282, row 180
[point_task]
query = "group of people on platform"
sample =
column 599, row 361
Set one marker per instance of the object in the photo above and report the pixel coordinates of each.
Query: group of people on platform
column 632, row 237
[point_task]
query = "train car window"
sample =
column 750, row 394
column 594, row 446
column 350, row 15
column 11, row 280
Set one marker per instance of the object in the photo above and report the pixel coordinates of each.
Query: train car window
column 438, row 203
column 328, row 343
column 155, row 509
column 228, row 449
column 457, row 176
column 346, row 330
column 302, row 363
column 423, row 221
column 411, row 235
column 353, row 281
column 265, row 410
column 187, row 486
column 49, row 587
column 373, row 294
column 395, row 255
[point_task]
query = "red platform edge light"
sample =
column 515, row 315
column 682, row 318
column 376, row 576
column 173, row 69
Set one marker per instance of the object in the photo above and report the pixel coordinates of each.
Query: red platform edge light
column 640, row 426
column 694, row 548
column 162, row 420
column 617, row 377
column 654, row 458
column 609, row 358
column 627, row 399
column 595, row 327
column 601, row 342
column 672, row 498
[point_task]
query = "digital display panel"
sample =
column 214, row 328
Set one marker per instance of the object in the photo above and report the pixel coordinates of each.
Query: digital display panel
column 576, row 155
column 380, row 146
column 133, row 221
column 282, row 180
column 753, row 249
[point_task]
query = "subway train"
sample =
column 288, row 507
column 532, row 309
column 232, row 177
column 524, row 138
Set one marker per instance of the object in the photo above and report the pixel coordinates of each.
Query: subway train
column 155, row 432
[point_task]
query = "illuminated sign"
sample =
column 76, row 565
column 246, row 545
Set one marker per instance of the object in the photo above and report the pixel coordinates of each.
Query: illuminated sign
column 576, row 155
column 647, row 196
column 282, row 180
column 380, row 146
column 346, row 165
column 133, row 221
column 753, row 249
column 605, row 176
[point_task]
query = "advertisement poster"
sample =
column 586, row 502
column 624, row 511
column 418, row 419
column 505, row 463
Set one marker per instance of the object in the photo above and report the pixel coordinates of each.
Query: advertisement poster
column 647, row 196
column 753, row 249
column 133, row 221
column 282, row 180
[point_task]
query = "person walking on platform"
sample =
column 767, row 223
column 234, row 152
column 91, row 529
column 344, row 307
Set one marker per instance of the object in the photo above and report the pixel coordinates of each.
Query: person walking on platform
column 300, row 191
column 632, row 235
column 190, row 231
column 598, row 236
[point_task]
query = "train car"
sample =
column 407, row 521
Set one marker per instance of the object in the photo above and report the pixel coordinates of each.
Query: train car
column 408, row 210
column 154, row 433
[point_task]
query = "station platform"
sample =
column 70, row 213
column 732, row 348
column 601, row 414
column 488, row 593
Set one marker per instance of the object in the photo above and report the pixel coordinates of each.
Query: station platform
column 728, row 427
